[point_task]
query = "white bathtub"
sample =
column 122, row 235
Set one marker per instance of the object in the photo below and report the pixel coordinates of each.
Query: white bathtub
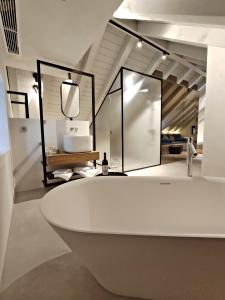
column 152, row 238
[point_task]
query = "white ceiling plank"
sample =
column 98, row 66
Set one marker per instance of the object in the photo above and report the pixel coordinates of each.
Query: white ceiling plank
column 201, row 88
column 187, row 64
column 170, row 69
column 184, row 76
column 144, row 31
column 86, row 66
column 199, row 63
column 196, row 81
column 198, row 53
column 89, row 60
column 155, row 62
column 120, row 60
column 202, row 37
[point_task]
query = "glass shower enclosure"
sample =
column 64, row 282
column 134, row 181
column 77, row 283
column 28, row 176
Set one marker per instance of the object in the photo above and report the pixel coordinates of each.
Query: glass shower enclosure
column 128, row 123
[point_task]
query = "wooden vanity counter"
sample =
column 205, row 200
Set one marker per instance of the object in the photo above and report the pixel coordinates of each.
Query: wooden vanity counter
column 57, row 159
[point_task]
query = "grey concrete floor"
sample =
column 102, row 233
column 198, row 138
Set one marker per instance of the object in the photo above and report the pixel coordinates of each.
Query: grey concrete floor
column 62, row 278
column 30, row 195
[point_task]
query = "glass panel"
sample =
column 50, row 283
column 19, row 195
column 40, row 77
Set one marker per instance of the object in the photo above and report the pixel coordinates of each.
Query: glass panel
column 108, row 130
column 102, row 125
column 18, row 110
column 115, row 131
column 142, row 120
column 107, row 127
column 179, row 120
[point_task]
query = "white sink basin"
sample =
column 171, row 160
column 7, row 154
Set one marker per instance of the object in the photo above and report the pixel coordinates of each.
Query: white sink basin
column 76, row 143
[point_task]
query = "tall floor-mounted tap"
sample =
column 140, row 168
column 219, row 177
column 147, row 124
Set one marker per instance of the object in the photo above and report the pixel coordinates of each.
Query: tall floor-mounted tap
column 191, row 152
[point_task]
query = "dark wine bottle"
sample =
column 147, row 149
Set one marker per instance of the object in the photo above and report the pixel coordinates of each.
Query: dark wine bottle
column 105, row 165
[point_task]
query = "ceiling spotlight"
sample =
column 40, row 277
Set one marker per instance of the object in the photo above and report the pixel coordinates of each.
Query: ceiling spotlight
column 164, row 56
column 139, row 43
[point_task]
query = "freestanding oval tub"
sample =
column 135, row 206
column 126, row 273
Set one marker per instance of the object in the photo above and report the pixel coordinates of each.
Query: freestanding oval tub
column 152, row 238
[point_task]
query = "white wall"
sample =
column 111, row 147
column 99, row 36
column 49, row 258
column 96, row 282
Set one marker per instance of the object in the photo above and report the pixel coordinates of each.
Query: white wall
column 26, row 147
column 214, row 136
column 6, row 179
column 26, row 153
column 201, row 121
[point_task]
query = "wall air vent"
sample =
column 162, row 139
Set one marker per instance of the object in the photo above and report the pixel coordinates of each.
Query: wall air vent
column 8, row 15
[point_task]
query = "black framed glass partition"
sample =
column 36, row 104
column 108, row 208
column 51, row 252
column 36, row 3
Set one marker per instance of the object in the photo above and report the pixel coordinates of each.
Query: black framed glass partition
column 128, row 123
column 19, row 107
column 59, row 102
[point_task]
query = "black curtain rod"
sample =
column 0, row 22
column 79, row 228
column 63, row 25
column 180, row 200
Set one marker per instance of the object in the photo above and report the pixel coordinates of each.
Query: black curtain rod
column 141, row 38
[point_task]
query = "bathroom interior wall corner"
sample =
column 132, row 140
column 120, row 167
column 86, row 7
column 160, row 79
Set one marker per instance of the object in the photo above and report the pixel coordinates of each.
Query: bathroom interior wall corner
column 214, row 144
column 6, row 177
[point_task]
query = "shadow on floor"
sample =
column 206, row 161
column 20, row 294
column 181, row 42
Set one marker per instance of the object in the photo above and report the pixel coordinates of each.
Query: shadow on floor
column 30, row 195
column 62, row 278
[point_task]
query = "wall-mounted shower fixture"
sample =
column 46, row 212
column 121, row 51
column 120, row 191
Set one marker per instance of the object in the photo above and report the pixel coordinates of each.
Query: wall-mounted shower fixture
column 35, row 86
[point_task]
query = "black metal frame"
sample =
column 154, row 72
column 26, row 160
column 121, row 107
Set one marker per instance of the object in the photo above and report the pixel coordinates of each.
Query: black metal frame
column 138, row 36
column 120, row 73
column 68, row 70
column 20, row 102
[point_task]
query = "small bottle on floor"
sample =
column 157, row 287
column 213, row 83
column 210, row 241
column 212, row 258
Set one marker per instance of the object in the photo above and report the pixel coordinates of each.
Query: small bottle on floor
column 105, row 165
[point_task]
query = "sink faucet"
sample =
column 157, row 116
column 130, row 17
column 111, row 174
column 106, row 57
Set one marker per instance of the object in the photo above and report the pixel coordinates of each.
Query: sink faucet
column 191, row 152
column 73, row 130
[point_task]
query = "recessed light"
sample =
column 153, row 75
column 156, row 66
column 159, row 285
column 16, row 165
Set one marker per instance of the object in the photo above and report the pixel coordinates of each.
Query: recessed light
column 164, row 56
column 139, row 43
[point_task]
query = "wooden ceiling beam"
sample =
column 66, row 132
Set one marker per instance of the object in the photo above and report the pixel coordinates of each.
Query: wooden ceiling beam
column 170, row 69
column 194, row 116
column 183, row 94
column 184, row 76
column 154, row 63
column 181, row 117
column 175, row 96
column 168, row 91
column 190, row 115
column 196, row 81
